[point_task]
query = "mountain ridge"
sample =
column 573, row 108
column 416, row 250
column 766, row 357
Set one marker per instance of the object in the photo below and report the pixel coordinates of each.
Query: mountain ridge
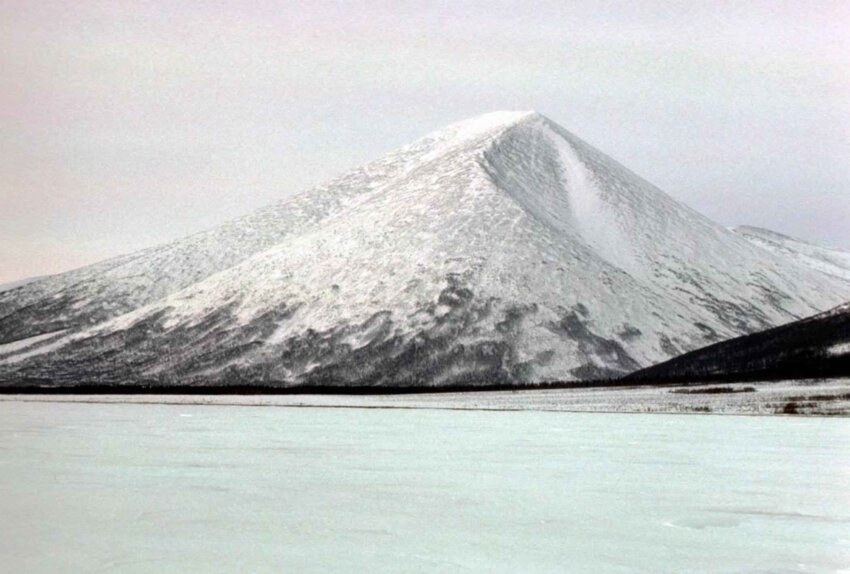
column 826, row 259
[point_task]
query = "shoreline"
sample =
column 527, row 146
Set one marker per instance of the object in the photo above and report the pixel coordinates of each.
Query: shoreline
column 826, row 398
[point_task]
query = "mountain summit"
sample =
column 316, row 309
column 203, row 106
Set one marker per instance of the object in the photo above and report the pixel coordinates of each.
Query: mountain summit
column 499, row 249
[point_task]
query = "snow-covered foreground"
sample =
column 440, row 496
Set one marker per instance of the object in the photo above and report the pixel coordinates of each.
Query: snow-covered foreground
column 181, row 488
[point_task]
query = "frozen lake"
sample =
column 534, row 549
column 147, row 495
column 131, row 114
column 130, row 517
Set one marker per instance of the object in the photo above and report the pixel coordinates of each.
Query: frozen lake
column 181, row 488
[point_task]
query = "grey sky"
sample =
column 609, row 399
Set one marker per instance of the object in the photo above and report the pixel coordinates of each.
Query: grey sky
column 125, row 123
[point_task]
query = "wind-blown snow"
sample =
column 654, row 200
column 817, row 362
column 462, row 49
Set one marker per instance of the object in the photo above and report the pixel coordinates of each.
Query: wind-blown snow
column 502, row 248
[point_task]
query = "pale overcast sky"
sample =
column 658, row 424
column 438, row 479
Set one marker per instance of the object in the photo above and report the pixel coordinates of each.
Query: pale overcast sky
column 127, row 123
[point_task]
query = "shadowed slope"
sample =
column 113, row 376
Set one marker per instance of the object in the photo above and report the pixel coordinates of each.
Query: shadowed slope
column 815, row 347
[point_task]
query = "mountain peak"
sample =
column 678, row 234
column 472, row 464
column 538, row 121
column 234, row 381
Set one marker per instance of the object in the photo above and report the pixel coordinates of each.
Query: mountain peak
column 489, row 123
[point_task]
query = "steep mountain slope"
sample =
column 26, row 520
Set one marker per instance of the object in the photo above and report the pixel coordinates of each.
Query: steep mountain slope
column 92, row 294
column 500, row 249
column 815, row 347
column 832, row 261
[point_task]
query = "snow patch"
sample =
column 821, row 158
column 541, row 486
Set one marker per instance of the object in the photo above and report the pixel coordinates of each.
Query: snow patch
column 839, row 350
column 28, row 342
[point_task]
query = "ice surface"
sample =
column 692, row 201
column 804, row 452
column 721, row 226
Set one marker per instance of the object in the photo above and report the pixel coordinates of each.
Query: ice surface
column 176, row 488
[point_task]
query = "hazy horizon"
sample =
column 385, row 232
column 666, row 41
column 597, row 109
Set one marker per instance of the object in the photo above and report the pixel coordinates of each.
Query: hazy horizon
column 130, row 125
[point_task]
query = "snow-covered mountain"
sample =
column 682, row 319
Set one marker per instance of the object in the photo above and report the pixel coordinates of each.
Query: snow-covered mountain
column 500, row 249
column 833, row 261
column 815, row 347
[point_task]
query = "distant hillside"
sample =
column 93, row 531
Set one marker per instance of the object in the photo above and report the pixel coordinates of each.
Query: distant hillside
column 19, row 283
column 815, row 347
